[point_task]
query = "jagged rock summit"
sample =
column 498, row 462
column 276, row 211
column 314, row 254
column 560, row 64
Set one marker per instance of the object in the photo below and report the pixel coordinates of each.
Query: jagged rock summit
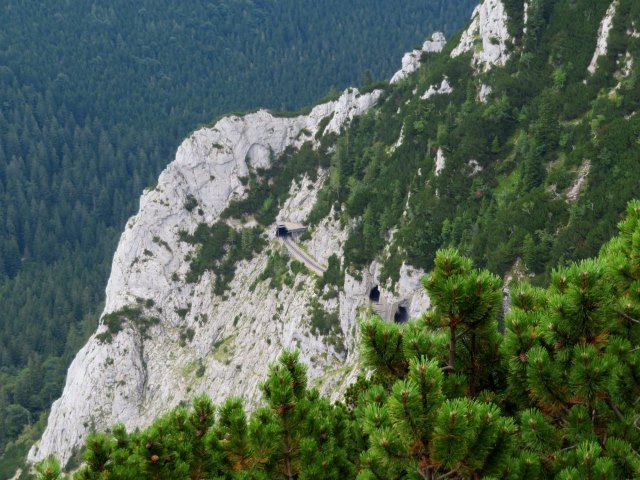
column 486, row 36
column 411, row 60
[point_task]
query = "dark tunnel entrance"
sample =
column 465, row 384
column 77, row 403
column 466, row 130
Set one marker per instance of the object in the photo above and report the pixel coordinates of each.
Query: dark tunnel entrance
column 374, row 295
column 282, row 231
column 402, row 315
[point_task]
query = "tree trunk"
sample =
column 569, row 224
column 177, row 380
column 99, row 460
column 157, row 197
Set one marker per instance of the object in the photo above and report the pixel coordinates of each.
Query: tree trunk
column 287, row 450
column 452, row 348
column 473, row 366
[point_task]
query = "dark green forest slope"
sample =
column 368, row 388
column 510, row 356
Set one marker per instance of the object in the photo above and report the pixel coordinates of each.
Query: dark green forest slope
column 94, row 99
column 511, row 162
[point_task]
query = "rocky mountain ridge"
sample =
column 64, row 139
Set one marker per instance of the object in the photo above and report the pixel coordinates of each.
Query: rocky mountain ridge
column 136, row 376
column 186, row 340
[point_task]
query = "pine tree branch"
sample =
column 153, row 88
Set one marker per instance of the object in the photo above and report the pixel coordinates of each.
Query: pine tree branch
column 426, row 475
column 452, row 347
column 287, row 449
column 615, row 409
column 631, row 319
column 473, row 366
column 447, row 475
column 464, row 332
column 566, row 449
column 379, row 476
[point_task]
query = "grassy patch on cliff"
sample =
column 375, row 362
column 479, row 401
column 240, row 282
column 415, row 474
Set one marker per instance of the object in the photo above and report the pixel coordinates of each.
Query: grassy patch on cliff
column 132, row 314
column 219, row 248
column 269, row 188
column 223, row 349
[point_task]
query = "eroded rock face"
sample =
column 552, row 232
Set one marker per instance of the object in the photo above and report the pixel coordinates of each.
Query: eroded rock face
column 443, row 89
column 435, row 44
column 205, row 343
column 411, row 60
column 486, row 36
column 484, row 92
column 441, row 161
column 577, row 186
column 603, row 37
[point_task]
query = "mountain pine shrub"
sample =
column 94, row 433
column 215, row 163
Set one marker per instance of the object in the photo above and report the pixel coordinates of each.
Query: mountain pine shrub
column 444, row 396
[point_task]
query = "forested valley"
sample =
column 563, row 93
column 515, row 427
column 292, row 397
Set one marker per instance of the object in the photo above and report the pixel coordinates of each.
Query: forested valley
column 94, row 100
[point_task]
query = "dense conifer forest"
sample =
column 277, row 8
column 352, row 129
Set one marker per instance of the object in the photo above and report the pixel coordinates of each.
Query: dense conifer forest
column 94, row 100
column 551, row 394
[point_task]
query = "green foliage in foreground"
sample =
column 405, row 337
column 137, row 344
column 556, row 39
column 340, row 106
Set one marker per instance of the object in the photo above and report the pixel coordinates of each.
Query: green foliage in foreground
column 555, row 396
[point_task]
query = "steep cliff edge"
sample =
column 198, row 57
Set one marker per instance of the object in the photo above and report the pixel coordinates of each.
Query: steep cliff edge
column 486, row 36
column 185, row 340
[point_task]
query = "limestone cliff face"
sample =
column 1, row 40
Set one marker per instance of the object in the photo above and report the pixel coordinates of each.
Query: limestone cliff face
column 221, row 346
column 411, row 60
column 486, row 36
column 603, row 37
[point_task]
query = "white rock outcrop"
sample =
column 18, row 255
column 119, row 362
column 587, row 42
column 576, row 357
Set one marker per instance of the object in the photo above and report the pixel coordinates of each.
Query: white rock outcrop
column 474, row 167
column 443, row 89
column 407, row 294
column 627, row 65
column 203, row 343
column 435, row 44
column 603, row 37
column 484, row 92
column 398, row 143
column 486, row 36
column 441, row 161
column 411, row 60
column 574, row 190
